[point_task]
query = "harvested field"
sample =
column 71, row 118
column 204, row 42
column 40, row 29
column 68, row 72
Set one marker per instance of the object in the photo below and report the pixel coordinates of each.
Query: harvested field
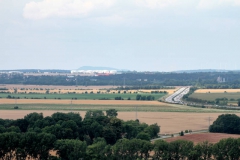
column 200, row 137
column 217, row 90
column 81, row 91
column 170, row 122
column 35, row 88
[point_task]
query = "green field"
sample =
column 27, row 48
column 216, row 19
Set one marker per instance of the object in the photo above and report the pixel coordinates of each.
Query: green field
column 88, row 96
column 122, row 108
column 214, row 96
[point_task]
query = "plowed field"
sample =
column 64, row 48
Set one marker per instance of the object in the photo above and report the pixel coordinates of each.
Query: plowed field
column 210, row 137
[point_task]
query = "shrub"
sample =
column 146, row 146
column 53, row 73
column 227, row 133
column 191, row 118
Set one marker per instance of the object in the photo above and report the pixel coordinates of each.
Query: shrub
column 181, row 133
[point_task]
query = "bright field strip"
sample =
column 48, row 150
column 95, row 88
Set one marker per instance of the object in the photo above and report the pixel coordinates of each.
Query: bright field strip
column 82, row 91
column 217, row 90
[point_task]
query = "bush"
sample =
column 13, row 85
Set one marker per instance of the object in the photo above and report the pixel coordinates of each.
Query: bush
column 15, row 107
column 181, row 133
column 118, row 98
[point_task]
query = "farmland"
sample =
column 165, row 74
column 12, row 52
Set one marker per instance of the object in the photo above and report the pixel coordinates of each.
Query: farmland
column 213, row 96
column 217, row 91
column 93, row 96
column 231, row 95
column 201, row 137
column 171, row 117
column 170, row 122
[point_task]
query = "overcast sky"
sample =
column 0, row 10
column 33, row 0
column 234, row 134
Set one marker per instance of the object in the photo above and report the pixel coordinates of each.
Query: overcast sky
column 153, row 35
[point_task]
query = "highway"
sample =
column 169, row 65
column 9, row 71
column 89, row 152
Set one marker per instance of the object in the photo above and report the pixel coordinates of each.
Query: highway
column 176, row 97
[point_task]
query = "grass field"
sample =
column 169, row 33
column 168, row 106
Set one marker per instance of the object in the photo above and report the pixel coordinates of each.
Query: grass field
column 91, row 96
column 213, row 96
column 83, row 105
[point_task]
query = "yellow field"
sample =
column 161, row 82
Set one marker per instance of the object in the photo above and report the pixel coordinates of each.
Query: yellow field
column 77, row 89
column 217, row 90
column 170, row 91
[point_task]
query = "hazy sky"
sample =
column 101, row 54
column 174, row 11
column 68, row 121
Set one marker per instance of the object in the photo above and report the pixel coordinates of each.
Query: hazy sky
column 155, row 35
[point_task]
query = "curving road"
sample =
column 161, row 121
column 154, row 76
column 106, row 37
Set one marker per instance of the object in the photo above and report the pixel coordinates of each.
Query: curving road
column 176, row 97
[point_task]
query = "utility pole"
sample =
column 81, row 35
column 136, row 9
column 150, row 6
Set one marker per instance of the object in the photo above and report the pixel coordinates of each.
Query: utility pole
column 136, row 113
column 76, row 82
column 209, row 120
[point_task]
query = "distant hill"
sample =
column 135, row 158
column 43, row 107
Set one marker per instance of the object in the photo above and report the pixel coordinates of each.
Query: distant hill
column 204, row 70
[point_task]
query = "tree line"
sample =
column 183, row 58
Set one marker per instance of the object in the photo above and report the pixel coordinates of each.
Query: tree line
column 138, row 80
column 69, row 134
column 32, row 145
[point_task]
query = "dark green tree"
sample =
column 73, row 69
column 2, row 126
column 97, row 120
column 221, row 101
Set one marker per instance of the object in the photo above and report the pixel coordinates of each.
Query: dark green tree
column 227, row 149
column 143, row 136
column 94, row 113
column 70, row 149
column 180, row 149
column 160, row 150
column 111, row 113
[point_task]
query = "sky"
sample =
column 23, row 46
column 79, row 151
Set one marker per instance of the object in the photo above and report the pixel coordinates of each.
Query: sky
column 141, row 35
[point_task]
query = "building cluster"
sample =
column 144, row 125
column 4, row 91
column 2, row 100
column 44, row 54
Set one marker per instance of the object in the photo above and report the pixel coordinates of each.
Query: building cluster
column 95, row 72
column 221, row 80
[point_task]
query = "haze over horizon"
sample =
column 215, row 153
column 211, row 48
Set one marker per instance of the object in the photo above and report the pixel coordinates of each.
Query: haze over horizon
column 141, row 35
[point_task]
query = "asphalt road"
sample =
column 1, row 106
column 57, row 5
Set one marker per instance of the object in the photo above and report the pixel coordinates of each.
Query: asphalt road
column 177, row 96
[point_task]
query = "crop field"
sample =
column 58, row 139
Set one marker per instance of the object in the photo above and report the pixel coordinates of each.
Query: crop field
column 83, row 91
column 171, row 117
column 210, row 137
column 232, row 97
column 76, row 89
column 84, row 105
column 213, row 96
column 217, row 91
column 169, row 122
